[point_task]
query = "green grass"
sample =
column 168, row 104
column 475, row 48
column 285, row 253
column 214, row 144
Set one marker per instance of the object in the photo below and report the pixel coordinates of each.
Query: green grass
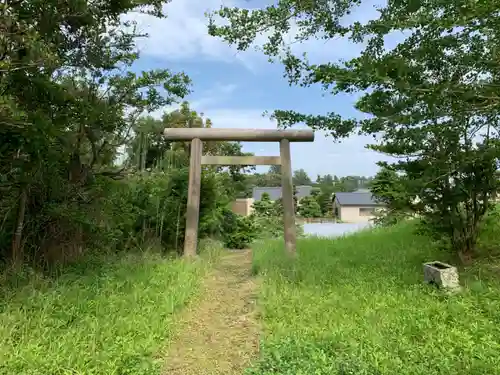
column 107, row 315
column 358, row 305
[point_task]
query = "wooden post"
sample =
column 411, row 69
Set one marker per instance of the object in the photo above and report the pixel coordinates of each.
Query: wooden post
column 197, row 136
column 240, row 160
column 239, row 135
column 287, row 196
column 193, row 202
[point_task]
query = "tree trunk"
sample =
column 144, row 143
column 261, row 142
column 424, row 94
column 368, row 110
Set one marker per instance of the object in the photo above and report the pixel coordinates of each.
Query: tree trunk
column 17, row 249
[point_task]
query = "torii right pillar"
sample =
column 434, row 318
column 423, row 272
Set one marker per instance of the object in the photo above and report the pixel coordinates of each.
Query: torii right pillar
column 290, row 231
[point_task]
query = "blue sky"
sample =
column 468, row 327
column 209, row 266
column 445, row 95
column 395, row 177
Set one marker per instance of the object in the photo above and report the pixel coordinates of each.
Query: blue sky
column 233, row 89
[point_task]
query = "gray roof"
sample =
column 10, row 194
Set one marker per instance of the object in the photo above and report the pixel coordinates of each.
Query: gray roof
column 275, row 192
column 356, row 199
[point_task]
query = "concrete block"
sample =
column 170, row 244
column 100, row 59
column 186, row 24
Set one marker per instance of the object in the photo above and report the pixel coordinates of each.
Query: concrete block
column 441, row 274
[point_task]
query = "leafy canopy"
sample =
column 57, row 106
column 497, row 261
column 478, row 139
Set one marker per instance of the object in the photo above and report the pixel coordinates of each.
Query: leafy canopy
column 432, row 100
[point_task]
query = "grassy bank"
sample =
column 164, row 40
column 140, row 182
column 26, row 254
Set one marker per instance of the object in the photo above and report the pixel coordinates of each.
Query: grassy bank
column 107, row 315
column 357, row 305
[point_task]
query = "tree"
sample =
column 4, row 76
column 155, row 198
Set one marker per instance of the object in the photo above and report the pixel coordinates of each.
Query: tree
column 270, row 179
column 278, row 207
column 273, row 177
column 394, row 191
column 275, row 169
column 68, row 103
column 264, row 206
column 325, row 180
column 300, row 177
column 346, row 184
column 324, row 199
column 390, row 188
column 148, row 149
column 433, row 98
column 309, row 208
column 295, row 199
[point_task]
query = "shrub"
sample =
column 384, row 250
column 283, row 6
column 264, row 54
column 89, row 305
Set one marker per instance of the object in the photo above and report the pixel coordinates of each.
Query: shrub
column 264, row 207
column 157, row 202
column 269, row 221
column 309, row 207
column 238, row 231
column 114, row 215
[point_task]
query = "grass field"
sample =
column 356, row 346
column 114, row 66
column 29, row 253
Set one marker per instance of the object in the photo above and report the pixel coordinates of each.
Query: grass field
column 353, row 305
column 357, row 305
column 108, row 315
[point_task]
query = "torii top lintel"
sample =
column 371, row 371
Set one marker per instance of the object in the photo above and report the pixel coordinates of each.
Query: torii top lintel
column 238, row 135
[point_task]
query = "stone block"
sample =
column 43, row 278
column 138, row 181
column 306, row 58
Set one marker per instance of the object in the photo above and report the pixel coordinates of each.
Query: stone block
column 441, row 274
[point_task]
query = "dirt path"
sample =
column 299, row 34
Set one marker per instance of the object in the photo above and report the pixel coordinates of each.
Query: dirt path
column 219, row 334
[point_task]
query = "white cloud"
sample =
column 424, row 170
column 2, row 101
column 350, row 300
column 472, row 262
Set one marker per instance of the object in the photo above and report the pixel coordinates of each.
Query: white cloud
column 202, row 100
column 218, row 93
column 183, row 35
column 320, row 157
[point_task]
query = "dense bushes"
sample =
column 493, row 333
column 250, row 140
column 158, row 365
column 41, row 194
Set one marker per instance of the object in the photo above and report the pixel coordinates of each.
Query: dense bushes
column 70, row 102
column 238, row 231
column 113, row 215
column 160, row 199
column 265, row 222
column 309, row 208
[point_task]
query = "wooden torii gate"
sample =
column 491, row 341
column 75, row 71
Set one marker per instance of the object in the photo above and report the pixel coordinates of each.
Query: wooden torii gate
column 197, row 135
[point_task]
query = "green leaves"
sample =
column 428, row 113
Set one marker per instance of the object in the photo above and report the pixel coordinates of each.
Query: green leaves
column 432, row 99
column 309, row 207
column 238, row 231
column 420, row 67
column 69, row 101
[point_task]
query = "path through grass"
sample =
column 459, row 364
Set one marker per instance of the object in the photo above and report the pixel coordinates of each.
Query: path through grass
column 219, row 334
column 107, row 316
column 357, row 305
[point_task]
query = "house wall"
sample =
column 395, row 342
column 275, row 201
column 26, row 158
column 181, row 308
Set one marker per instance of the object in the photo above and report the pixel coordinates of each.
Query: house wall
column 242, row 206
column 355, row 214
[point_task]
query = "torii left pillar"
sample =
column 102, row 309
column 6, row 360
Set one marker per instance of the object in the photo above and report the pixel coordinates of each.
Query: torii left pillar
column 193, row 202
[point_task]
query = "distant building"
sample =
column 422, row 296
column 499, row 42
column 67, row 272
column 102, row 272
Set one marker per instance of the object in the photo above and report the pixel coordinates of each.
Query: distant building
column 275, row 192
column 355, row 207
column 242, row 206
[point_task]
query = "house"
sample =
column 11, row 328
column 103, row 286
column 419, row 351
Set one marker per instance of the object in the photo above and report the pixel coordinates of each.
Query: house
column 275, row 192
column 355, row 207
column 244, row 206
